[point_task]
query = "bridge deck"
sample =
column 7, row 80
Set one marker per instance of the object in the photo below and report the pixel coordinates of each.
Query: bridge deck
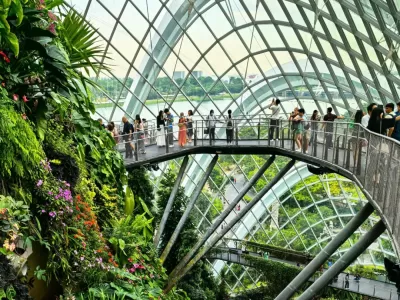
column 366, row 287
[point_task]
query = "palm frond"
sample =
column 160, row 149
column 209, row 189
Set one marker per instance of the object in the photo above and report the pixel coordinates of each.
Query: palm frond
column 82, row 44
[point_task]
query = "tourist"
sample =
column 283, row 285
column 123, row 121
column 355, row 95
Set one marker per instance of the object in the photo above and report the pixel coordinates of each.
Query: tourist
column 300, row 120
column 189, row 122
column 139, row 134
column 315, row 118
column 146, row 130
column 182, row 130
column 274, row 122
column 329, row 118
column 229, row 128
column 127, row 137
column 101, row 122
column 110, row 129
column 390, row 114
column 210, row 124
column 365, row 119
column 396, row 131
column 378, row 123
column 115, row 133
column 346, row 281
column 291, row 118
column 160, row 129
column 169, row 119
column 357, row 136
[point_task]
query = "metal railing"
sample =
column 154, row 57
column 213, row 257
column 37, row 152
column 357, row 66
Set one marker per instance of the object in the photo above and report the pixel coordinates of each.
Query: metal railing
column 368, row 287
column 372, row 158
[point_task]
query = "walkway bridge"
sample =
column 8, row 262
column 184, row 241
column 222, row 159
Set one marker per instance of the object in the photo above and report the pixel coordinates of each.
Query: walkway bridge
column 365, row 287
column 371, row 160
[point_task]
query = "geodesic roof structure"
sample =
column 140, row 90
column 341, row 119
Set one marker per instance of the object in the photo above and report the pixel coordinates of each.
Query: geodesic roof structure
column 236, row 54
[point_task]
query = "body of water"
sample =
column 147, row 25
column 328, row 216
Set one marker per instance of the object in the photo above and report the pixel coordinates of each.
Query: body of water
column 150, row 111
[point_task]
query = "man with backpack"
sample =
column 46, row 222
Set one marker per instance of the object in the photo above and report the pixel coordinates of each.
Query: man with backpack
column 229, row 128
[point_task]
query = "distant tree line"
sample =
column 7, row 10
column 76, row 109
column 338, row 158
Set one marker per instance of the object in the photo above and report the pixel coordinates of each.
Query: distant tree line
column 191, row 87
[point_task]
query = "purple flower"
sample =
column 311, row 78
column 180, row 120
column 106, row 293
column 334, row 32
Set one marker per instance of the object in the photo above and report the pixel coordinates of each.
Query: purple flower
column 52, row 214
column 99, row 260
column 50, row 193
column 39, row 183
column 43, row 211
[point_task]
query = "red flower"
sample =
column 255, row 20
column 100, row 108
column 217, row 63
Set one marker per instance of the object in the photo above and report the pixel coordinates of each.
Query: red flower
column 15, row 97
column 5, row 57
column 25, row 99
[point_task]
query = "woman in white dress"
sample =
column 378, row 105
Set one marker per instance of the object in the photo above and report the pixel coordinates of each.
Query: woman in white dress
column 160, row 129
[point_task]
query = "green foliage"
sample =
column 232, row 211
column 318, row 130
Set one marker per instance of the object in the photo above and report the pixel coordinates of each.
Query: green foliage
column 191, row 87
column 275, row 275
column 20, row 151
column 129, row 201
column 367, row 271
column 198, row 283
column 219, row 207
column 81, row 43
column 142, row 189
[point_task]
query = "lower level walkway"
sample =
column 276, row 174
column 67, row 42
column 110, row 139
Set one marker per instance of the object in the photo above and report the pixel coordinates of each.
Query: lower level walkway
column 366, row 287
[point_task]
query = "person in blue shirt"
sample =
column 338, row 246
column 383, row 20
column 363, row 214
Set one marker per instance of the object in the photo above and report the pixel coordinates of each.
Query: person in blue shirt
column 396, row 131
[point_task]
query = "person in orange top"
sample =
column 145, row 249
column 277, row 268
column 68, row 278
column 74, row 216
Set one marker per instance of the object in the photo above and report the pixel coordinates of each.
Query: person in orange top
column 182, row 130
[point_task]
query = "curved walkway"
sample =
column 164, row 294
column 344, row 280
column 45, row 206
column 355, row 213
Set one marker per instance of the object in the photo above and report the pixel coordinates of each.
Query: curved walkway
column 370, row 160
column 366, row 287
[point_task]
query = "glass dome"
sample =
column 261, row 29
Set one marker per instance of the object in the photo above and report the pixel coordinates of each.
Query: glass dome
column 238, row 55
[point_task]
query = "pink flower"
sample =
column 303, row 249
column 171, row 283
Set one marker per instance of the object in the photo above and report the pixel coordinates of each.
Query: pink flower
column 52, row 28
column 52, row 214
column 15, row 97
column 39, row 183
column 52, row 16
column 25, row 99
column 131, row 270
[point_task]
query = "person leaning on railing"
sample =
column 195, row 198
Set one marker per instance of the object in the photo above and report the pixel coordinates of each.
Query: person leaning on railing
column 396, row 131
column 329, row 118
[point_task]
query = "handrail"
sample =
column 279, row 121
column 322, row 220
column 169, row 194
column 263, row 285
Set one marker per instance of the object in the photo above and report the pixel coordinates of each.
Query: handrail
column 373, row 159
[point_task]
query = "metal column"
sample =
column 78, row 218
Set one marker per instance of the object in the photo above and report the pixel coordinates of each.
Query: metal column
column 172, row 280
column 324, row 254
column 351, row 255
column 188, row 209
column 171, row 201
column 223, row 215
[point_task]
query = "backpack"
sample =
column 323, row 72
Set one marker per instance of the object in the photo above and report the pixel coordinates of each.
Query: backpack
column 229, row 124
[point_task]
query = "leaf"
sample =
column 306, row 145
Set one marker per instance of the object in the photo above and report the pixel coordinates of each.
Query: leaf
column 13, row 43
column 121, row 244
column 41, row 128
column 50, row 4
column 129, row 201
column 16, row 6
column 43, row 40
column 56, row 53
column 145, row 208
column 4, row 22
